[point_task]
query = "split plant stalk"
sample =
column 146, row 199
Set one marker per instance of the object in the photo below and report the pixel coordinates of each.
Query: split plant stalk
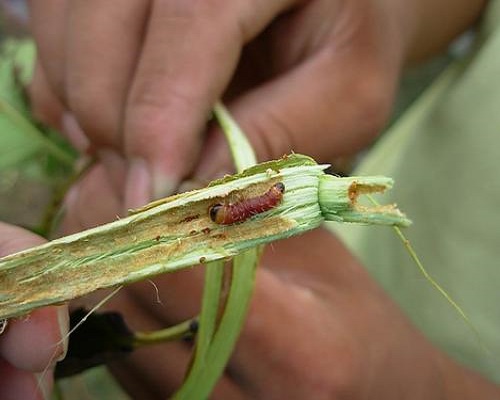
column 177, row 233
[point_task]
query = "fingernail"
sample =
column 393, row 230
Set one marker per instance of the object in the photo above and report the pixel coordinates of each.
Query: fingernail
column 72, row 130
column 63, row 321
column 138, row 184
column 163, row 185
column 115, row 165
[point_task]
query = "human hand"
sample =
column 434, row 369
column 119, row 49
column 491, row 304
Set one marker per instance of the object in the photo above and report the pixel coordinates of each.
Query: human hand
column 315, row 77
column 30, row 345
column 318, row 328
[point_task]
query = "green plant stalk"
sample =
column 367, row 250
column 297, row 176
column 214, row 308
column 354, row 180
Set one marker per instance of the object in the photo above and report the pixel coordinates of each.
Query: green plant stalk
column 335, row 193
column 175, row 332
column 169, row 235
column 243, row 270
column 214, row 273
column 199, row 385
column 241, row 149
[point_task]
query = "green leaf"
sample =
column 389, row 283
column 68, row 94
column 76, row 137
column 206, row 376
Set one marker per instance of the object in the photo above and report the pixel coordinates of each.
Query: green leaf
column 17, row 58
column 14, row 148
column 20, row 137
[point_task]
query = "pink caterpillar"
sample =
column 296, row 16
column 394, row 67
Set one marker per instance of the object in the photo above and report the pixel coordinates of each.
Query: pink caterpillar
column 227, row 214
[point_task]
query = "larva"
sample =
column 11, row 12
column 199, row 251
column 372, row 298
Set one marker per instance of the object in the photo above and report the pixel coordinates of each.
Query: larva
column 227, row 214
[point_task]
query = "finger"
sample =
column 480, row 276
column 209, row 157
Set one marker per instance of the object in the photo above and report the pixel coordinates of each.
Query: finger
column 36, row 342
column 13, row 239
column 103, row 42
column 17, row 384
column 190, row 52
column 48, row 25
column 324, row 107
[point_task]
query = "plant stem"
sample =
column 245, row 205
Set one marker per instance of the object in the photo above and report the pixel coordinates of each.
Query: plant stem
column 211, row 353
column 175, row 332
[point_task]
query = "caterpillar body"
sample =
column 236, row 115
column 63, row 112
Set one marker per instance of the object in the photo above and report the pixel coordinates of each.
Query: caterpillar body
column 232, row 213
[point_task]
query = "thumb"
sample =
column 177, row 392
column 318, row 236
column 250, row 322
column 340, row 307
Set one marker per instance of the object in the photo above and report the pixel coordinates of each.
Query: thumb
column 14, row 239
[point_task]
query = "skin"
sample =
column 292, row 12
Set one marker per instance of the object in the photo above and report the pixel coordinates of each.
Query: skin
column 134, row 85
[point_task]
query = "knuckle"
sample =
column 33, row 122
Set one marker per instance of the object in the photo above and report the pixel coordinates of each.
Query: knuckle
column 150, row 98
column 149, row 111
column 161, row 121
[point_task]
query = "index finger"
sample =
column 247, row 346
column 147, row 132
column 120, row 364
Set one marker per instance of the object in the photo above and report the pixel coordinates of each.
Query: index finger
column 189, row 55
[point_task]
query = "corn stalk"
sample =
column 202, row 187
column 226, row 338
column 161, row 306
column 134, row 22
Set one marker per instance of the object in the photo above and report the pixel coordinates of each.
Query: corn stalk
column 177, row 233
